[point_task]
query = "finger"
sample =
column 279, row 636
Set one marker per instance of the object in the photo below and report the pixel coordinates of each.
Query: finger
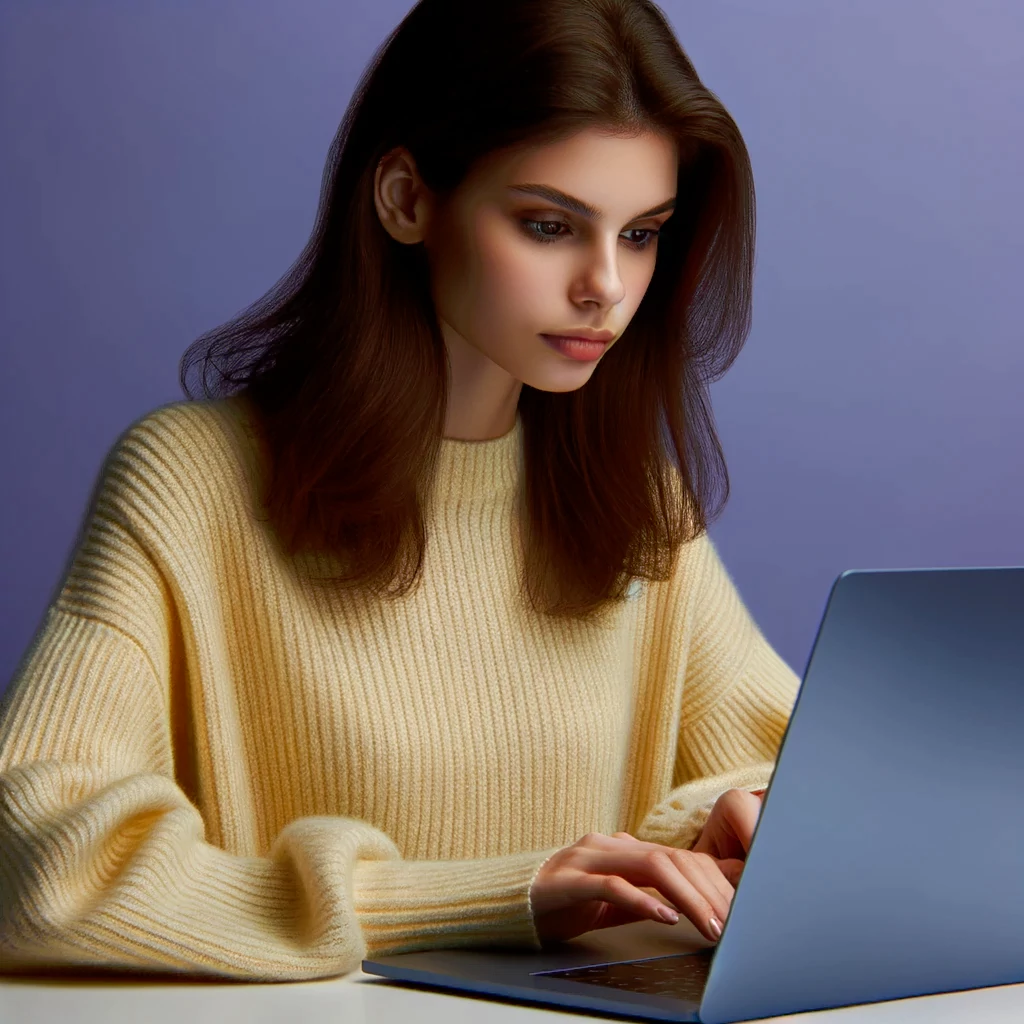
column 742, row 814
column 731, row 868
column 609, row 875
column 674, row 873
column 717, row 877
column 683, row 882
column 705, row 876
column 698, row 900
column 705, row 841
column 613, row 916
column 625, row 897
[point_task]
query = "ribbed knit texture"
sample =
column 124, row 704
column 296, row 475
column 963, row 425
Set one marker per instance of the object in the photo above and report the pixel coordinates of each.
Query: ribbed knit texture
column 209, row 766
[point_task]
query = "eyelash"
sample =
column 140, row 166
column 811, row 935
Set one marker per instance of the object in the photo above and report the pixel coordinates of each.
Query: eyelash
column 652, row 234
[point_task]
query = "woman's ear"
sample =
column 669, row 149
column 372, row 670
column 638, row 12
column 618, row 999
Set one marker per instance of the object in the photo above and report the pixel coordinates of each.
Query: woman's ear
column 403, row 202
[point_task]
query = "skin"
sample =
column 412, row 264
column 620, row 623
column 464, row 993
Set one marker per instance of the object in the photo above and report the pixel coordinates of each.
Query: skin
column 605, row 881
column 499, row 283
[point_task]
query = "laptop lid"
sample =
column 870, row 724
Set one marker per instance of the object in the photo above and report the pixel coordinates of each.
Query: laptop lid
column 889, row 858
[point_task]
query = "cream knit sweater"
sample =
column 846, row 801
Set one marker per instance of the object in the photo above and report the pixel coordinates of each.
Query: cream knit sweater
column 208, row 766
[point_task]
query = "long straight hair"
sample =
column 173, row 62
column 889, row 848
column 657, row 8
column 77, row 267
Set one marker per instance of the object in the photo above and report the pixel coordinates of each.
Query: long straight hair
column 342, row 363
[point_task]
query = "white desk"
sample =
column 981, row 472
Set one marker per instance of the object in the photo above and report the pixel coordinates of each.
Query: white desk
column 363, row 999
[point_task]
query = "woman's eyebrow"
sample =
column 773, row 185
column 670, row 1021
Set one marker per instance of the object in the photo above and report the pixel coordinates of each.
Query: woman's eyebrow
column 578, row 206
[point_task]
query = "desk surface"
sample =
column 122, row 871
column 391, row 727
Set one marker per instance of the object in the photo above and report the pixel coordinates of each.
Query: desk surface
column 364, row 999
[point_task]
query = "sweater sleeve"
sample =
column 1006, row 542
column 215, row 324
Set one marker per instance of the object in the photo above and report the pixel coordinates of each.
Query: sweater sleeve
column 737, row 698
column 104, row 860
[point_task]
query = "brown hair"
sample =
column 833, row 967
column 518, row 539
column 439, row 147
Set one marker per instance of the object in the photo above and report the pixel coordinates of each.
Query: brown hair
column 343, row 361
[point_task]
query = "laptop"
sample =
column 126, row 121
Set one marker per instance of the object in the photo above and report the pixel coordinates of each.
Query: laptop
column 888, row 860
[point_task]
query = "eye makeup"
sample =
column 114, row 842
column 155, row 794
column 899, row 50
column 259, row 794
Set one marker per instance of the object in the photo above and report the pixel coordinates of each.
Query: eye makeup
column 532, row 230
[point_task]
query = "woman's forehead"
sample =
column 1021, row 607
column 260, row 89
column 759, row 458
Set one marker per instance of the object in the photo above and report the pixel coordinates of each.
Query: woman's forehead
column 614, row 174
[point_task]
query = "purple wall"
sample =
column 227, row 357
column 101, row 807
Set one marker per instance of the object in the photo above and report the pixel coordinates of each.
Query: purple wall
column 161, row 167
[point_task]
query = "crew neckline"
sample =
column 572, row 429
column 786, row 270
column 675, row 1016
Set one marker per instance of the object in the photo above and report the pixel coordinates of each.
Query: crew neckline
column 484, row 469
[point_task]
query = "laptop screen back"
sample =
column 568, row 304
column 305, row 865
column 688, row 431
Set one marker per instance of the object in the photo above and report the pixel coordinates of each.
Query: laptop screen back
column 890, row 852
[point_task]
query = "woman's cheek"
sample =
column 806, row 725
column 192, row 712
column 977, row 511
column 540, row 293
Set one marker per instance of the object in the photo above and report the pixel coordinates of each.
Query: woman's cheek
column 514, row 277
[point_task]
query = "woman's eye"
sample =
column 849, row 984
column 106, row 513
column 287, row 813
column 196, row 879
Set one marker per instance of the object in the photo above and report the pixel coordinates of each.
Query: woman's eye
column 536, row 228
column 649, row 236
column 548, row 231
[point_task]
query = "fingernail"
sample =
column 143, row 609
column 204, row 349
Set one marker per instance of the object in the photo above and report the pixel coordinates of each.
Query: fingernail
column 668, row 914
column 716, row 927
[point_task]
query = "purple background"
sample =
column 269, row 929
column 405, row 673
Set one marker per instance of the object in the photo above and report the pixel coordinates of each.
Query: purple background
column 161, row 167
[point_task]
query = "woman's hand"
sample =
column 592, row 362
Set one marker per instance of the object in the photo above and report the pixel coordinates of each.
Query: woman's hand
column 729, row 829
column 596, row 883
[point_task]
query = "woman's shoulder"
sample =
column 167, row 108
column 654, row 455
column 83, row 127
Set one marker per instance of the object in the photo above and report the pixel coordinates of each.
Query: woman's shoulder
column 183, row 457
column 193, row 426
column 197, row 435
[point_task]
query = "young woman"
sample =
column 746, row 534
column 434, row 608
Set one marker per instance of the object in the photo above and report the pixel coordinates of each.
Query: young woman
column 409, row 633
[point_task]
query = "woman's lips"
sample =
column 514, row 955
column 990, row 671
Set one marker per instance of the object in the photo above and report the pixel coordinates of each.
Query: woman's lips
column 576, row 348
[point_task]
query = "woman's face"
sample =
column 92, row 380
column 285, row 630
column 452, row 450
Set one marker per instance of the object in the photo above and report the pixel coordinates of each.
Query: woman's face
column 509, row 265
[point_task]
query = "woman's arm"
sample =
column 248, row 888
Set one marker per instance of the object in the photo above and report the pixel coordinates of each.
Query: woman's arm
column 104, row 856
column 737, row 699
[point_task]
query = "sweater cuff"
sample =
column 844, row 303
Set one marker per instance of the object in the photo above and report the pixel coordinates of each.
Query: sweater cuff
column 680, row 818
column 404, row 906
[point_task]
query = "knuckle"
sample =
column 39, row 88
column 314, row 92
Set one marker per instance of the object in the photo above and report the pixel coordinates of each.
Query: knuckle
column 571, row 856
column 659, row 857
column 615, row 886
column 682, row 858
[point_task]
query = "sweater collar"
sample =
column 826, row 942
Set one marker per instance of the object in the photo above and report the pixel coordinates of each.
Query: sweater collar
column 479, row 470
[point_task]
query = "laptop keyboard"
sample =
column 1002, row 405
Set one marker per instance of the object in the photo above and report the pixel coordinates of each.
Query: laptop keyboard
column 682, row 975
